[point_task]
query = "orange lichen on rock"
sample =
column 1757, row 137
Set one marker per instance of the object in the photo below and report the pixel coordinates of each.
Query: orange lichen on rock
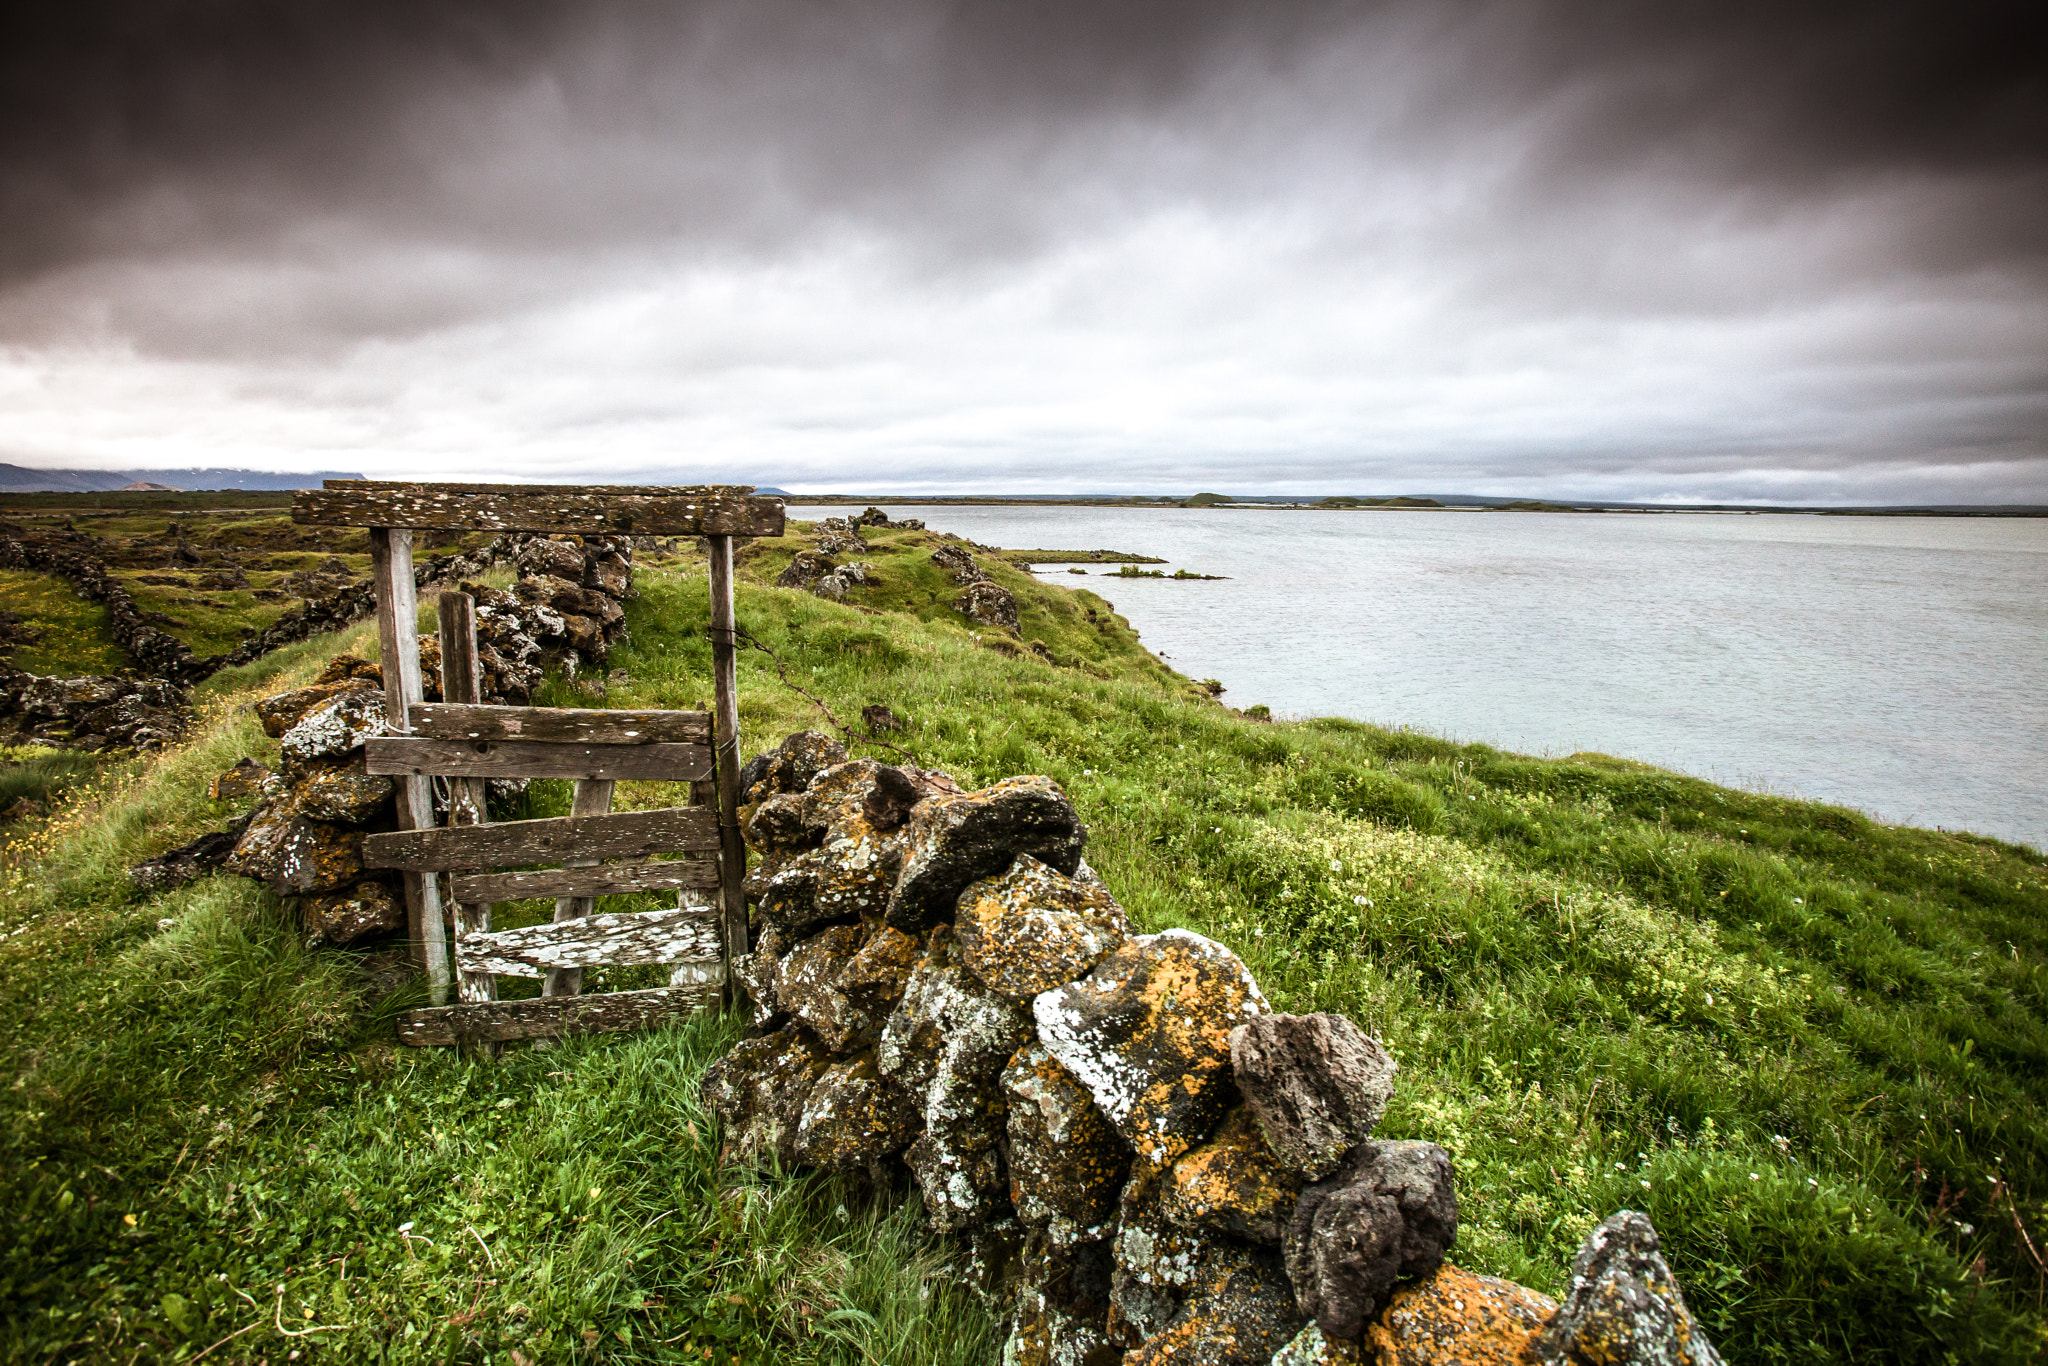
column 1034, row 928
column 1457, row 1317
column 1233, row 1184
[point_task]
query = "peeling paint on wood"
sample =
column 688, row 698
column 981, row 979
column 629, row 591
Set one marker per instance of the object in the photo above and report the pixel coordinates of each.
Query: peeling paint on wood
column 578, row 725
column 406, row 755
column 613, row 879
column 621, row 834
column 543, row 1017
column 686, row 934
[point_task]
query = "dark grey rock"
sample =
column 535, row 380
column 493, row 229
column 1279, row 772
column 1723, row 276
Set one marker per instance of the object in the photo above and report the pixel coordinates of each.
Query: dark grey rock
column 1624, row 1308
column 1317, row 1085
column 955, row 840
column 1390, row 1211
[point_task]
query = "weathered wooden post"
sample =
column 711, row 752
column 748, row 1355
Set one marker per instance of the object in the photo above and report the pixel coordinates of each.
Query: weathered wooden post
column 725, row 738
column 399, row 643
column 462, row 682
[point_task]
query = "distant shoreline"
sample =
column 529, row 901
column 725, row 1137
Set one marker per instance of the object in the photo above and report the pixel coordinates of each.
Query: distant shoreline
column 1403, row 505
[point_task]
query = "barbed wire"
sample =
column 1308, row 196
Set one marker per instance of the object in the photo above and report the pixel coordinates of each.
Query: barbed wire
column 741, row 636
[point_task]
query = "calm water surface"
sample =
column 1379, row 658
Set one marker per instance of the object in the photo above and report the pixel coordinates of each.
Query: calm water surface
column 1897, row 665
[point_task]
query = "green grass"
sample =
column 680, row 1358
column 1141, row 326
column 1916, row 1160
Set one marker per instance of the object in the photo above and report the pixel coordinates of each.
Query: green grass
column 1810, row 1046
column 76, row 636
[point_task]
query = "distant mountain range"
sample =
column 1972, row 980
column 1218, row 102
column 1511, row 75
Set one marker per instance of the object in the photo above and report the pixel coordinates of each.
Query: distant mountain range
column 19, row 479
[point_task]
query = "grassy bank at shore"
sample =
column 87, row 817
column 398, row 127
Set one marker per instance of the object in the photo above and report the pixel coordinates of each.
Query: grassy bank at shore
column 1812, row 1047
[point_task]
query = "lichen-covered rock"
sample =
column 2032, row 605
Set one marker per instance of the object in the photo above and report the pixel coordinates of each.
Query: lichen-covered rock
column 1317, row 1083
column 874, row 981
column 1455, row 1318
column 799, row 759
column 333, row 728
column 296, row 856
column 805, row 570
column 345, row 792
column 1624, row 1307
column 958, row 561
column 1232, row 1185
column 547, row 556
column 951, row 841
column 757, row 974
column 789, row 898
column 1062, row 1308
column 1067, row 1165
column 807, row 987
column 988, row 603
column 347, row 667
column 1390, row 1210
column 365, row 911
column 946, row 1044
column 1147, row 1031
column 758, row 1092
column 1239, row 1314
column 245, row 779
column 1311, row 1348
column 1033, row 928
column 175, row 867
column 1157, row 1261
column 280, row 713
column 854, row 1116
column 777, row 824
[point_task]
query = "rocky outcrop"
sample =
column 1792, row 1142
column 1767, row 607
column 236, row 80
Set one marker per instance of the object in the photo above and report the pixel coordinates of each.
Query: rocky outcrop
column 93, row 713
column 1142, row 1162
column 989, row 604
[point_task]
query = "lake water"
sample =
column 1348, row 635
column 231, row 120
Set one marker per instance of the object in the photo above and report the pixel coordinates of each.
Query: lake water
column 1897, row 665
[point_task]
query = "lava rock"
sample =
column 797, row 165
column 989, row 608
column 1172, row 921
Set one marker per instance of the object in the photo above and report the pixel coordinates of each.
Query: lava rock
column 1232, row 1184
column 1067, row 1165
column 1062, row 1307
column 854, row 1116
column 1624, row 1307
column 1033, row 929
column 758, row 974
column 1147, row 1031
column 958, row 561
column 951, row 841
column 365, row 911
column 345, row 792
column 801, row 758
column 946, row 1044
column 545, row 556
column 1241, row 1313
column 807, row 989
column 176, row 867
column 758, row 1092
column 1391, row 1210
column 245, row 779
column 1317, row 1083
column 333, row 728
column 988, row 603
column 1311, row 1348
column 280, row 713
column 777, row 824
column 805, row 570
column 1455, row 1318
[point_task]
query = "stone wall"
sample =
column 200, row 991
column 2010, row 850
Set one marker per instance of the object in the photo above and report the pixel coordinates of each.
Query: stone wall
column 1143, row 1161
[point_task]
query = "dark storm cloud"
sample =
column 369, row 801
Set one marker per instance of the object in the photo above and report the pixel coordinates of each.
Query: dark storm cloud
column 1757, row 237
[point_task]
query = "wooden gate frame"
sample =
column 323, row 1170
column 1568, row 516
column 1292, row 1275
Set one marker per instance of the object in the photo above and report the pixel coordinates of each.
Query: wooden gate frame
column 392, row 511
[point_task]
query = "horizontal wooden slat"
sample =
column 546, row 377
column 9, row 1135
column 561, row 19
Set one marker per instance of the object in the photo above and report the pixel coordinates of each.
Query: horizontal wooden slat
column 582, row 725
column 541, row 490
column 406, row 755
column 681, row 935
column 542, row 509
column 620, row 835
column 609, row 879
column 545, row 1017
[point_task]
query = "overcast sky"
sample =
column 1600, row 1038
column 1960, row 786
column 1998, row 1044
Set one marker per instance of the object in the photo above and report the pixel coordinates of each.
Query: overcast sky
column 1670, row 251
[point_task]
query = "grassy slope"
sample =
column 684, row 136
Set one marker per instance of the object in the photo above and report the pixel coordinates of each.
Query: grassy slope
column 1820, row 1042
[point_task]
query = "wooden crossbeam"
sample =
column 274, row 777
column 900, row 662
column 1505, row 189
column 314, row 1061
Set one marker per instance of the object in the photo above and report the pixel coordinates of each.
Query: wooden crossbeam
column 681, row 935
column 538, row 508
column 544, row 1017
column 578, row 725
column 609, row 879
column 403, row 755
column 620, row 835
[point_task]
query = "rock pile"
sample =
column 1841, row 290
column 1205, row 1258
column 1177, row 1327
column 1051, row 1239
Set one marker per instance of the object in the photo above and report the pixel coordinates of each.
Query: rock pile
column 984, row 600
column 92, row 713
column 74, row 556
column 1146, row 1163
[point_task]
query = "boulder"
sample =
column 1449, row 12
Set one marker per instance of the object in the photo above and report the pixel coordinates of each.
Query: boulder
column 344, row 667
column 957, row 561
column 806, row 569
column 857, row 862
column 365, row 911
column 1147, row 1031
column 179, row 866
column 1317, row 1084
column 799, row 759
column 989, row 604
column 807, row 988
column 776, row 825
column 245, row 779
column 1624, row 1307
column 561, row 559
column 758, row 973
column 1455, row 1318
column 951, row 841
column 1067, row 1166
column 854, row 1116
column 280, row 713
column 874, row 981
column 293, row 855
column 758, row 1092
column 1156, row 1262
column 946, row 1044
column 1240, row 1314
column 1390, row 1210
column 333, row 728
column 345, row 792
column 1232, row 1184
column 1062, row 1308
column 1033, row 928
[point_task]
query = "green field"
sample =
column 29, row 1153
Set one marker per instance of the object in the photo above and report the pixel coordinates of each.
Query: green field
column 1812, row 1047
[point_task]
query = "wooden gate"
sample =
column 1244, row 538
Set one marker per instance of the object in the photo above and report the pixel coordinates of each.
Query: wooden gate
column 464, row 743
